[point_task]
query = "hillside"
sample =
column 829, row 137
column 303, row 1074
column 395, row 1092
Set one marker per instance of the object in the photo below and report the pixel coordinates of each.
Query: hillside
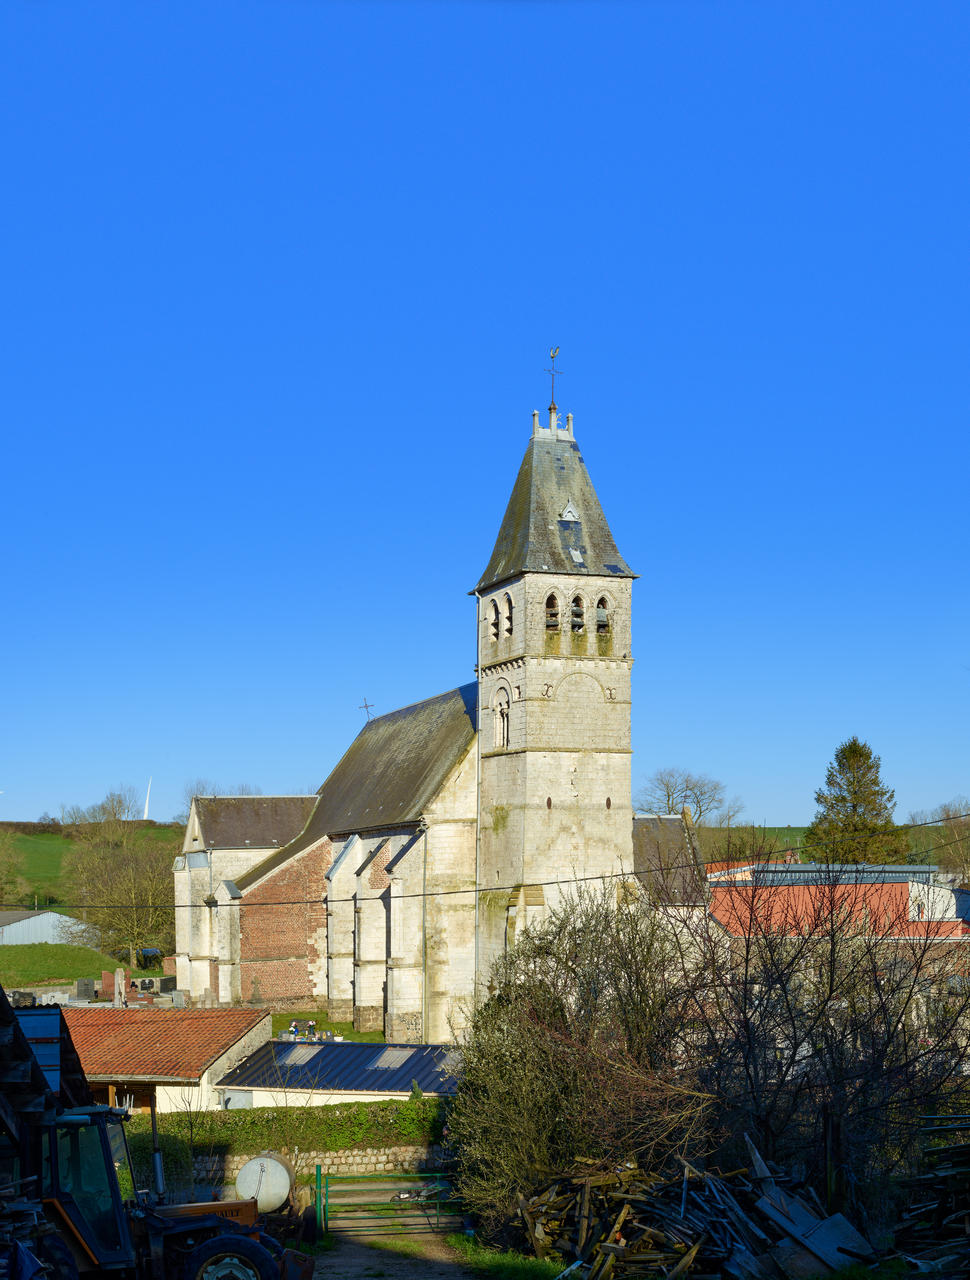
column 39, row 851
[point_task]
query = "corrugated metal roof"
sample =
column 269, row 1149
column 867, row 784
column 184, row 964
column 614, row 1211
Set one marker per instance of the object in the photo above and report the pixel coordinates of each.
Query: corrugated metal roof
column 12, row 917
column 48, row 1036
column 349, row 1067
column 27, row 1094
column 536, row 538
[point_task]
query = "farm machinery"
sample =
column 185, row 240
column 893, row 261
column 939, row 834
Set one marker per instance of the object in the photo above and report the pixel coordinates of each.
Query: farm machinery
column 69, row 1206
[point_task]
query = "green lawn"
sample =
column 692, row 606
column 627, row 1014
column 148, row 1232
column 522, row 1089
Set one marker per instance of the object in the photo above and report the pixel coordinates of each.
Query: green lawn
column 30, row 964
column 42, row 857
column 281, row 1022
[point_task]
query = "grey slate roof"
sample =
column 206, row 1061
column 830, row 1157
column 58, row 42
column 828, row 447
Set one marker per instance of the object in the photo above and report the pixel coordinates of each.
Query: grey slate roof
column 347, row 1067
column 534, row 538
column 665, row 861
column 396, row 765
column 232, row 822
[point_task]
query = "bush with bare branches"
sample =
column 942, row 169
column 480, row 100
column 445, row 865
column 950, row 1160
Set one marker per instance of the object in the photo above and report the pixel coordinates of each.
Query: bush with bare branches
column 570, row 1058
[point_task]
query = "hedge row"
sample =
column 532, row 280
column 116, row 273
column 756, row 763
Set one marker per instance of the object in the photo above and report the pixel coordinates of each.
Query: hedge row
column 344, row 1127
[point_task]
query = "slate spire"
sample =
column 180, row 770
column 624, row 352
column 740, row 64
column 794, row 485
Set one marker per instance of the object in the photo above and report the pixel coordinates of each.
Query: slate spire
column 554, row 522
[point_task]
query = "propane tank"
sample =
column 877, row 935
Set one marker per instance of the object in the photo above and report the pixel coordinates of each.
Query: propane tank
column 268, row 1179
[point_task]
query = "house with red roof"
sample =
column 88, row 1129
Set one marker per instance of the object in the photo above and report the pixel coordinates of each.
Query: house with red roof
column 171, row 1056
column 803, row 898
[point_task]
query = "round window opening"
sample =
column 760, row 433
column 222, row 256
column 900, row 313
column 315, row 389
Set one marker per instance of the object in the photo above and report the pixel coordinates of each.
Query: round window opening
column 548, row 802
column 609, row 803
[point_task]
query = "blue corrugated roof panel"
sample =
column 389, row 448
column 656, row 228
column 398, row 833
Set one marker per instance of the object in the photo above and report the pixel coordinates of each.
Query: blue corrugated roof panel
column 348, row 1067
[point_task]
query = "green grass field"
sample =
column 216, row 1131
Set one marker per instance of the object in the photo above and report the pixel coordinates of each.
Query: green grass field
column 50, row 963
column 41, row 858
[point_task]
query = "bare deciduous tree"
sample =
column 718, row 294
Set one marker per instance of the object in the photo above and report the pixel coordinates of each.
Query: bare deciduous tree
column 13, row 886
column 672, row 789
column 946, row 841
column 571, row 1057
column 822, row 1019
column 122, row 878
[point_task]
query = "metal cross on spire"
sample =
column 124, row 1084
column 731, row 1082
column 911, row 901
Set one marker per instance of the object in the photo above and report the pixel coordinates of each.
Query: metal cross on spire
column 366, row 707
column 553, row 352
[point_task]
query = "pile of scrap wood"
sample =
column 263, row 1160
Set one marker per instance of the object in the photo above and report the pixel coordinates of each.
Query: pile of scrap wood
column 935, row 1232
column 746, row 1224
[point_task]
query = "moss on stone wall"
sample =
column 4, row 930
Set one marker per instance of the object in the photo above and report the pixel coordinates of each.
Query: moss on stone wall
column 500, row 818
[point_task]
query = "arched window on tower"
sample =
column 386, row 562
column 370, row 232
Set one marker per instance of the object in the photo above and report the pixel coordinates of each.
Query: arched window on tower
column 552, row 613
column 508, row 614
column 502, row 719
column 493, row 621
column 578, row 612
column 604, row 623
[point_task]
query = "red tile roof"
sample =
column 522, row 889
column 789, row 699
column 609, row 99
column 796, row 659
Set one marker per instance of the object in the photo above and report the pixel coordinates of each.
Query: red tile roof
column 160, row 1044
column 801, row 909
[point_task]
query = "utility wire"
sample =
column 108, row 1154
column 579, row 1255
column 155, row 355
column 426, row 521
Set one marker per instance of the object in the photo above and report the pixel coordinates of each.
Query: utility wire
column 445, row 893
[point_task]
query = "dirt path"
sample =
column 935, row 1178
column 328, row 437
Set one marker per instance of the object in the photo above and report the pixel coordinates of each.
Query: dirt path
column 417, row 1257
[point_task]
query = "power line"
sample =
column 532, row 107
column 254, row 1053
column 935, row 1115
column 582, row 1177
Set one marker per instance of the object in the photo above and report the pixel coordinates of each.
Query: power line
column 445, row 893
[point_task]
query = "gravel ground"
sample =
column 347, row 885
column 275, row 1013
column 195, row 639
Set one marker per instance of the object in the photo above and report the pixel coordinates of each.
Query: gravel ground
column 428, row 1258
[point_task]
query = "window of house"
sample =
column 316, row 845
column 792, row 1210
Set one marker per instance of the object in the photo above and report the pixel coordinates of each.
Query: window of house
column 493, row 621
column 502, row 719
column 508, row 615
column 602, row 616
column 578, row 614
column 552, row 613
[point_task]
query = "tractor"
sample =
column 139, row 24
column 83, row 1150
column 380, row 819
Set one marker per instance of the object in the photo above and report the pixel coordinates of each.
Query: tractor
column 69, row 1206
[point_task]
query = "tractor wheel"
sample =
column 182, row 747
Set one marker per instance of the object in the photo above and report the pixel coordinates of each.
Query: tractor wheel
column 230, row 1257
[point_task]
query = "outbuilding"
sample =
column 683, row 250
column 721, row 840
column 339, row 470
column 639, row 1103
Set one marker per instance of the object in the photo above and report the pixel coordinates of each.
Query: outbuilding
column 173, row 1056
column 287, row 1074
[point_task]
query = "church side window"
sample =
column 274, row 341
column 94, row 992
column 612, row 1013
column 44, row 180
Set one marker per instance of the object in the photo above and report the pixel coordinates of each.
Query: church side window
column 502, row 719
column 603, row 620
column 552, row 613
column 493, row 621
column 578, row 614
column 508, row 615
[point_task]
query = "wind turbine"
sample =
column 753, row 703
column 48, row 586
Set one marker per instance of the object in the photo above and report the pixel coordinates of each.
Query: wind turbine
column 147, row 797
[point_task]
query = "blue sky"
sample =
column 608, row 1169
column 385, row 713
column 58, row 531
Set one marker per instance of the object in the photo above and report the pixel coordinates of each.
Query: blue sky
column 280, row 283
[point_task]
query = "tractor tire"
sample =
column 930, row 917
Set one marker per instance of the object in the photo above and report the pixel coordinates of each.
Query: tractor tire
column 230, row 1257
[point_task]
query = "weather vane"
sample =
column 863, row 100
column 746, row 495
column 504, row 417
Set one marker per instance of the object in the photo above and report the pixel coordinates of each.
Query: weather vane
column 553, row 352
column 366, row 707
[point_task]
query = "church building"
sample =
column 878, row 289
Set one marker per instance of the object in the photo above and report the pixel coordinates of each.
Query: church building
column 451, row 824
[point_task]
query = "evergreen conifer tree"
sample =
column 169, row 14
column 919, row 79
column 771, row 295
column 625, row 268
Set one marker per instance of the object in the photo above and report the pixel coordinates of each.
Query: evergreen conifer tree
column 854, row 819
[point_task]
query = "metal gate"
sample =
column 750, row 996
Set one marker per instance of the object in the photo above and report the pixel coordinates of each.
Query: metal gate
column 386, row 1203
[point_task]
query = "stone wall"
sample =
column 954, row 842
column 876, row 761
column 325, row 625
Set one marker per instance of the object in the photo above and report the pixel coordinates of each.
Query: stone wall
column 215, row 1174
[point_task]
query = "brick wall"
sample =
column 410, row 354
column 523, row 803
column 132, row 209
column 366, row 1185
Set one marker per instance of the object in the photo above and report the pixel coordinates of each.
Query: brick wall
column 283, row 927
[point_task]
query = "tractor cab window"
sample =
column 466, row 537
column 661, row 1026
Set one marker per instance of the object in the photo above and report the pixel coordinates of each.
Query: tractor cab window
column 83, row 1185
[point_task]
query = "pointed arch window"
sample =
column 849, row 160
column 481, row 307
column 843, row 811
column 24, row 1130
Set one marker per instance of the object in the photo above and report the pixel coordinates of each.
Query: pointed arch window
column 501, row 710
column 604, row 623
column 493, row 622
column 552, row 612
column 578, row 615
column 507, row 611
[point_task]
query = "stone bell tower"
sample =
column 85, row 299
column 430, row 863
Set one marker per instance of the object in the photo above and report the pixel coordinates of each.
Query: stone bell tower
column 554, row 662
